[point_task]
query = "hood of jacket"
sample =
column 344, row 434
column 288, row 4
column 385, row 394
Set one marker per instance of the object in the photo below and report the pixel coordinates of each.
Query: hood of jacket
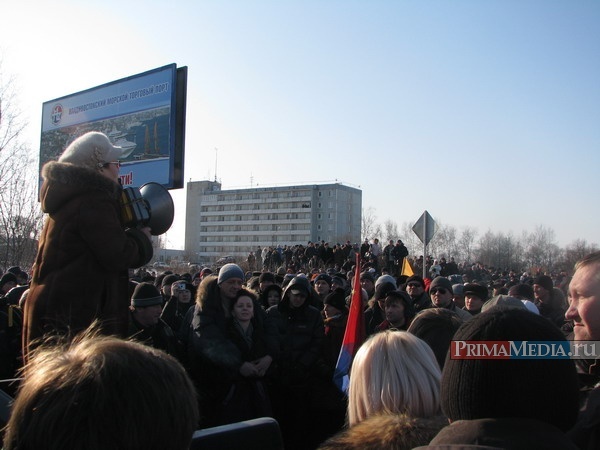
column 65, row 181
column 300, row 283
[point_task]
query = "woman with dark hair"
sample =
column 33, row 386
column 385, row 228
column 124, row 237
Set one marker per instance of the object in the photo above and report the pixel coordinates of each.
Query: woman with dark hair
column 214, row 359
column 246, row 398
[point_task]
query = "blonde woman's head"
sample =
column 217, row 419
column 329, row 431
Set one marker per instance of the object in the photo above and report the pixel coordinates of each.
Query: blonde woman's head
column 394, row 372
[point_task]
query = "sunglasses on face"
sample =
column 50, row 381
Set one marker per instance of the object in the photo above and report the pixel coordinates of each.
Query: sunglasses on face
column 440, row 290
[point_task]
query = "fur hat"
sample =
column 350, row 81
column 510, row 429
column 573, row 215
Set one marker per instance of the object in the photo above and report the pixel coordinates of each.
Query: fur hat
column 542, row 389
column 146, row 294
column 91, row 150
column 337, row 299
column 229, row 271
column 416, row 278
column 477, row 290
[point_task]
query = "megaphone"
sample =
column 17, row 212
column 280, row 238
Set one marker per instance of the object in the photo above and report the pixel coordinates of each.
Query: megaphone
column 149, row 206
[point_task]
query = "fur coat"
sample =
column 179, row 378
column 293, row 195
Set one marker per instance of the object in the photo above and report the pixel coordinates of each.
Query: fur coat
column 81, row 268
column 386, row 431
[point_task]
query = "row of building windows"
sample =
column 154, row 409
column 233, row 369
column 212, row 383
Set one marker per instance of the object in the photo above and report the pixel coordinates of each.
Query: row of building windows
column 263, row 195
column 229, row 197
column 254, row 227
column 255, row 206
column 288, row 238
column 255, row 217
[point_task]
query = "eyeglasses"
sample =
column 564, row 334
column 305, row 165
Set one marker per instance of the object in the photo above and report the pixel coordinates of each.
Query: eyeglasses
column 117, row 163
column 440, row 290
column 414, row 285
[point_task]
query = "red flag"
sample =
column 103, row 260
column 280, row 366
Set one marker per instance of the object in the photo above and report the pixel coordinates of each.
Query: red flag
column 354, row 335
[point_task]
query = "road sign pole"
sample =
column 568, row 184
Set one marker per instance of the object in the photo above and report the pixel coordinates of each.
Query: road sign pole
column 425, row 229
column 425, row 246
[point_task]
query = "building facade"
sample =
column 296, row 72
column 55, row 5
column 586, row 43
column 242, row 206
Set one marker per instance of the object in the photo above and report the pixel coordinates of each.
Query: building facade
column 234, row 222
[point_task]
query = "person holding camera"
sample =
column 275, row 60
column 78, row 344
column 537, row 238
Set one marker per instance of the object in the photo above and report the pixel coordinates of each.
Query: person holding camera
column 178, row 304
column 80, row 272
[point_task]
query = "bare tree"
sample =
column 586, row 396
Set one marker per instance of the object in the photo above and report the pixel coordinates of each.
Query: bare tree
column 444, row 243
column 20, row 222
column 411, row 240
column 390, row 231
column 575, row 251
column 20, row 213
column 370, row 228
column 466, row 243
column 541, row 251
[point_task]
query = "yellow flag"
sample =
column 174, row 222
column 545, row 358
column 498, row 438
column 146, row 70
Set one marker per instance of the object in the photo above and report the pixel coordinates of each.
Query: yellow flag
column 406, row 269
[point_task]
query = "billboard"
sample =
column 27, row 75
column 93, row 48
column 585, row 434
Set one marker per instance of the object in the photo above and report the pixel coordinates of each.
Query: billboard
column 144, row 114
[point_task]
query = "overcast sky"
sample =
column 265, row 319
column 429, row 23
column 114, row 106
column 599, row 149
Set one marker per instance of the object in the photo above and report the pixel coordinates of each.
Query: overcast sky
column 484, row 113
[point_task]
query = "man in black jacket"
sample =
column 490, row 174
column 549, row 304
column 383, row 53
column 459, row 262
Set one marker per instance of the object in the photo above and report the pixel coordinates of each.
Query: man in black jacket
column 301, row 332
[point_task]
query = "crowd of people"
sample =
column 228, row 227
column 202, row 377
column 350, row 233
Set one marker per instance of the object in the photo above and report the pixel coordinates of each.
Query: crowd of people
column 265, row 344
column 102, row 357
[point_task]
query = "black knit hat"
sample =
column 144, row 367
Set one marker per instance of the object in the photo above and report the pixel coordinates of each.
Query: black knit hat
column 542, row 389
column 544, row 281
column 146, row 294
column 441, row 282
column 337, row 299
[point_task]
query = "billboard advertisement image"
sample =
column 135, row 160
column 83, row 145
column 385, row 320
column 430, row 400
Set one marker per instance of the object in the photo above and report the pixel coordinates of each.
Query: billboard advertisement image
column 144, row 114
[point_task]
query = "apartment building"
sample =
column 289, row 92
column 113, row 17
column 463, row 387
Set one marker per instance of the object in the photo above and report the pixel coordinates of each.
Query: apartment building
column 237, row 221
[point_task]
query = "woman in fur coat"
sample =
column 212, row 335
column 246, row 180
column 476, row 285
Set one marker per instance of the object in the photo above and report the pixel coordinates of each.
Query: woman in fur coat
column 81, row 269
